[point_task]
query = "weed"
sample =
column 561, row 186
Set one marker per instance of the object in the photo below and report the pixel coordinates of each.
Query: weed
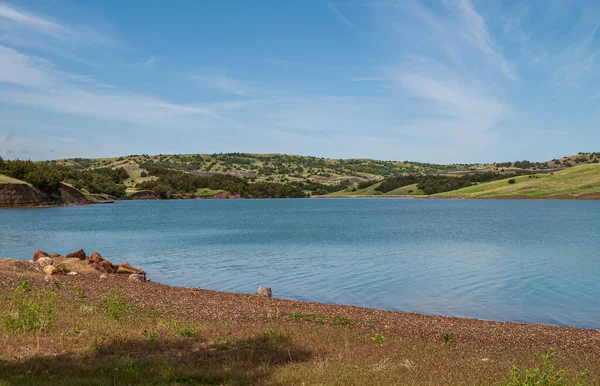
column 547, row 375
column 378, row 339
column 184, row 330
column 117, row 308
column 449, row 338
column 63, row 268
column 336, row 320
column 85, row 310
column 341, row 321
column 150, row 336
column 76, row 330
column 80, row 292
column 32, row 312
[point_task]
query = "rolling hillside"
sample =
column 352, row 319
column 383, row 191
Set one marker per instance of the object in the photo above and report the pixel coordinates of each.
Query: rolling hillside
column 575, row 181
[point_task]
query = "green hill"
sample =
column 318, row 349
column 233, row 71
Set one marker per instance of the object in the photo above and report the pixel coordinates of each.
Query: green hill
column 578, row 180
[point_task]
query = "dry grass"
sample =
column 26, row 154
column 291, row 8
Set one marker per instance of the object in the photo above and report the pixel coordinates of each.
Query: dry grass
column 169, row 335
column 9, row 180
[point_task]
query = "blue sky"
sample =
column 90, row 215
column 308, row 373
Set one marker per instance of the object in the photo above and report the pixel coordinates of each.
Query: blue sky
column 425, row 80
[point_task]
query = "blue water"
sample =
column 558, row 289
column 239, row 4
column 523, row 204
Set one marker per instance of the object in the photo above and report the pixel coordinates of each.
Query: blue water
column 524, row 261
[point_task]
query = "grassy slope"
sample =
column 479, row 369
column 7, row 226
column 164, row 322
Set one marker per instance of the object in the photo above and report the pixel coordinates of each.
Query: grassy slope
column 577, row 180
column 369, row 191
column 9, row 180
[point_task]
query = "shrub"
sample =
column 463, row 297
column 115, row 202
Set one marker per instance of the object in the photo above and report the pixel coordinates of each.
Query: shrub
column 32, row 312
column 512, row 181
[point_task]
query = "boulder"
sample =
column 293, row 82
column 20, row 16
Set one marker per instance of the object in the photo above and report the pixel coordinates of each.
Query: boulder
column 44, row 261
column 56, row 255
column 264, row 291
column 39, row 254
column 52, row 270
column 136, row 277
column 106, row 266
column 80, row 254
column 96, row 257
column 128, row 269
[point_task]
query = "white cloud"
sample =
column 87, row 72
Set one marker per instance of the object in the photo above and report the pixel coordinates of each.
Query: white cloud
column 475, row 31
column 224, row 84
column 33, row 21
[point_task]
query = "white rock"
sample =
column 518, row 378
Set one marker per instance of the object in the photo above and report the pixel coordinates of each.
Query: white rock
column 72, row 273
column 264, row 291
column 44, row 261
column 104, row 276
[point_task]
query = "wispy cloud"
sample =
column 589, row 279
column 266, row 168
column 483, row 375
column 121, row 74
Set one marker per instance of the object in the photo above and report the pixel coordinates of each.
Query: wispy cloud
column 33, row 21
column 151, row 61
column 578, row 61
column 341, row 16
column 224, row 84
column 39, row 85
column 475, row 30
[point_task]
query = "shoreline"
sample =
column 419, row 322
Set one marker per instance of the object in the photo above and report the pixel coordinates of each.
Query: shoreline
column 212, row 337
column 558, row 197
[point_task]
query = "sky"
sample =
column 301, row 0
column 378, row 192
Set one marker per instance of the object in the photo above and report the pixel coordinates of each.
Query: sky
column 445, row 81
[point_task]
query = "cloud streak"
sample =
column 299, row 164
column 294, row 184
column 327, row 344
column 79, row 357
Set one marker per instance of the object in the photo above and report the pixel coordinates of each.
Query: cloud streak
column 341, row 16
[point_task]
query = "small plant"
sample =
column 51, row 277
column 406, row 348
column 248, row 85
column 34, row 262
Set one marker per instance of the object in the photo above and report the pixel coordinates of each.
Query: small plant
column 31, row 312
column 80, row 292
column 546, row 375
column 341, row 321
column 117, row 308
column 378, row 339
column 76, row 330
column 63, row 268
column 85, row 310
column 150, row 336
column 512, row 181
column 449, row 338
column 184, row 330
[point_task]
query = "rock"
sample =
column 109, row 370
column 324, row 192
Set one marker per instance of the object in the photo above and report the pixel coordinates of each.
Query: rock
column 104, row 276
column 136, row 277
column 56, row 255
column 106, row 266
column 39, row 254
column 128, row 269
column 264, row 291
column 18, row 193
column 44, row 261
column 52, row 270
column 80, row 254
column 72, row 273
column 47, row 278
column 95, row 256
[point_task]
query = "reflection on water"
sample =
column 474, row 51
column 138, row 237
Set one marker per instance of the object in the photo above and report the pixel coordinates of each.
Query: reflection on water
column 526, row 261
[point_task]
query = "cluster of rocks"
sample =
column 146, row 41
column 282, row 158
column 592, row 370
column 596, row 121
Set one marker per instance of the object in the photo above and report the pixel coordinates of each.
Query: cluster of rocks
column 57, row 264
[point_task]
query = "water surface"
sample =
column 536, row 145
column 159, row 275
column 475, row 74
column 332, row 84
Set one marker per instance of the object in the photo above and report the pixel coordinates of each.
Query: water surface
column 525, row 261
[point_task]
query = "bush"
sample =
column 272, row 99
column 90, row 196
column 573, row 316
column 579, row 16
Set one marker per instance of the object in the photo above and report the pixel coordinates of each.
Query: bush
column 512, row 181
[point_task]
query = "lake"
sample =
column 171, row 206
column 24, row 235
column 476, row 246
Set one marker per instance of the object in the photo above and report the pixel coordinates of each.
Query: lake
column 510, row 260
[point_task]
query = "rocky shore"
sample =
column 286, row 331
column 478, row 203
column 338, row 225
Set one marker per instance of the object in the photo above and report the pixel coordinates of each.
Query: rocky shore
column 214, row 337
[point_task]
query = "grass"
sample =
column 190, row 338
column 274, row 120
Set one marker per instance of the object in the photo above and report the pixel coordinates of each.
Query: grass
column 86, row 344
column 207, row 192
column 9, row 180
column 573, row 181
column 368, row 191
